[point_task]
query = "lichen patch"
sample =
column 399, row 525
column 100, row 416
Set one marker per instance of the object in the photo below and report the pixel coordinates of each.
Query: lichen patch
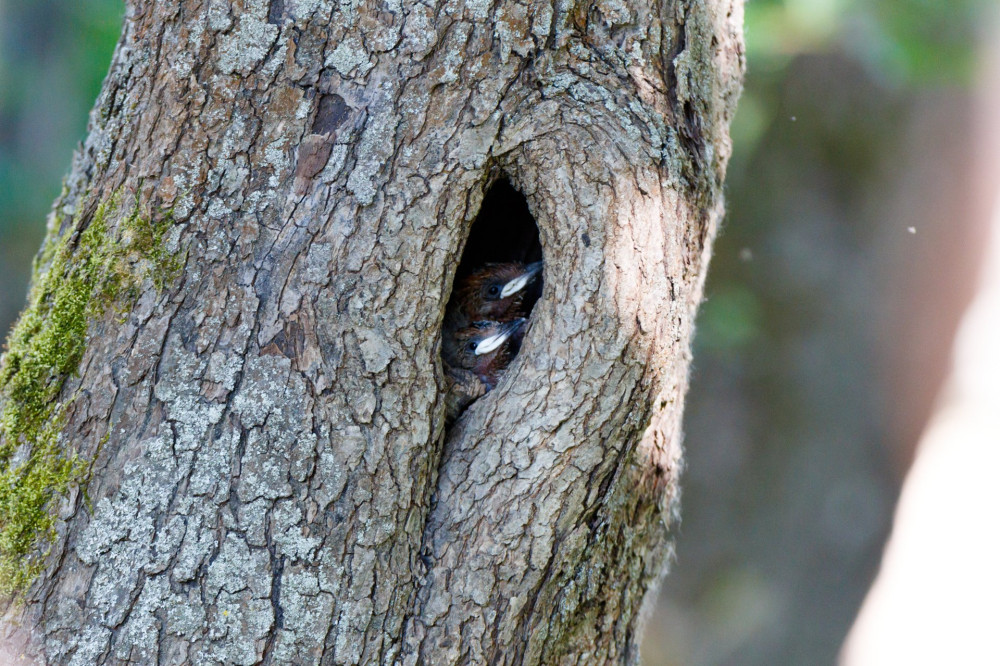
column 241, row 51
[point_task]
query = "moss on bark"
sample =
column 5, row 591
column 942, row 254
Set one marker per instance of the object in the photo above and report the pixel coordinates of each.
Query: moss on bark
column 78, row 277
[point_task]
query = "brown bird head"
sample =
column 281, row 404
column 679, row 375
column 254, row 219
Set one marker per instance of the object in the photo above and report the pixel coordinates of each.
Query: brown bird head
column 486, row 348
column 496, row 292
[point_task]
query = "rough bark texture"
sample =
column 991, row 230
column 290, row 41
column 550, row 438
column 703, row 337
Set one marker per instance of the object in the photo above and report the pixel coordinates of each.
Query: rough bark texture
column 271, row 480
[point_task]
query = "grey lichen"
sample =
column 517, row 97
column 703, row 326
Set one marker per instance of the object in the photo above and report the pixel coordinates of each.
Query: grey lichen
column 244, row 48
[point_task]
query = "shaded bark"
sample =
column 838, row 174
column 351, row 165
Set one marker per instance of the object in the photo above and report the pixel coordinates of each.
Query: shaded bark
column 271, row 478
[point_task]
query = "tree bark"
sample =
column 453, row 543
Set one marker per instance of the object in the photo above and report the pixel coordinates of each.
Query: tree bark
column 267, row 477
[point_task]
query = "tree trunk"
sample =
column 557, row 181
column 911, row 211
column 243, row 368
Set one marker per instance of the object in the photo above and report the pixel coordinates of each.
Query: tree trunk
column 227, row 387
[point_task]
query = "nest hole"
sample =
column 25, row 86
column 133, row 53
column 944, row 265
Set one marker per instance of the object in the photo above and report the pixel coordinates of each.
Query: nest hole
column 503, row 231
column 497, row 283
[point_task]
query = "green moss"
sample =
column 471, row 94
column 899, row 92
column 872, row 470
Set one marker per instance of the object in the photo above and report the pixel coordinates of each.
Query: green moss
column 78, row 277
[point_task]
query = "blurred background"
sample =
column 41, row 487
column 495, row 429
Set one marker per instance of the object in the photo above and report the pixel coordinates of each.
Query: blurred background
column 862, row 182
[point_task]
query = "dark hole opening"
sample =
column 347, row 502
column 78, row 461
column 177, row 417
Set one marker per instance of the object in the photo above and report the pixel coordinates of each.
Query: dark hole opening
column 497, row 283
column 503, row 231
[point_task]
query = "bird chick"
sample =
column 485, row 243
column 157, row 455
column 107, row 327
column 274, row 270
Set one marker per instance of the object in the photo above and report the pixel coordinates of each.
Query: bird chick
column 495, row 292
column 485, row 348
column 475, row 358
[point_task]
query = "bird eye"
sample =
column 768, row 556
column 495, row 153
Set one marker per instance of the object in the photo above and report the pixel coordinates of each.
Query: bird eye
column 494, row 290
column 473, row 345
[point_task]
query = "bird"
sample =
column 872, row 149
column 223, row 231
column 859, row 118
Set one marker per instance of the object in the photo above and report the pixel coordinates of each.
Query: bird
column 475, row 358
column 485, row 348
column 494, row 292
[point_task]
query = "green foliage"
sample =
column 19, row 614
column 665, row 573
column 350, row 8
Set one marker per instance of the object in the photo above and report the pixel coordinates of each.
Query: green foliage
column 730, row 319
column 928, row 39
column 907, row 42
column 79, row 277
column 53, row 57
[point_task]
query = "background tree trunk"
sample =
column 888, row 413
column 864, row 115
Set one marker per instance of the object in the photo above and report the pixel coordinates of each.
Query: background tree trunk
column 258, row 393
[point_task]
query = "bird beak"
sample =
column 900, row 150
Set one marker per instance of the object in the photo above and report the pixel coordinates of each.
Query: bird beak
column 494, row 341
column 522, row 280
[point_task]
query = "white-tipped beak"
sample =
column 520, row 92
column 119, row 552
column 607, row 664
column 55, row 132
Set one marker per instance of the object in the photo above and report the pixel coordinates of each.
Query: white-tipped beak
column 521, row 281
column 506, row 330
column 514, row 286
column 491, row 343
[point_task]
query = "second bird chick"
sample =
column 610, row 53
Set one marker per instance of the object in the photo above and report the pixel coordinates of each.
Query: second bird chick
column 485, row 348
column 475, row 357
